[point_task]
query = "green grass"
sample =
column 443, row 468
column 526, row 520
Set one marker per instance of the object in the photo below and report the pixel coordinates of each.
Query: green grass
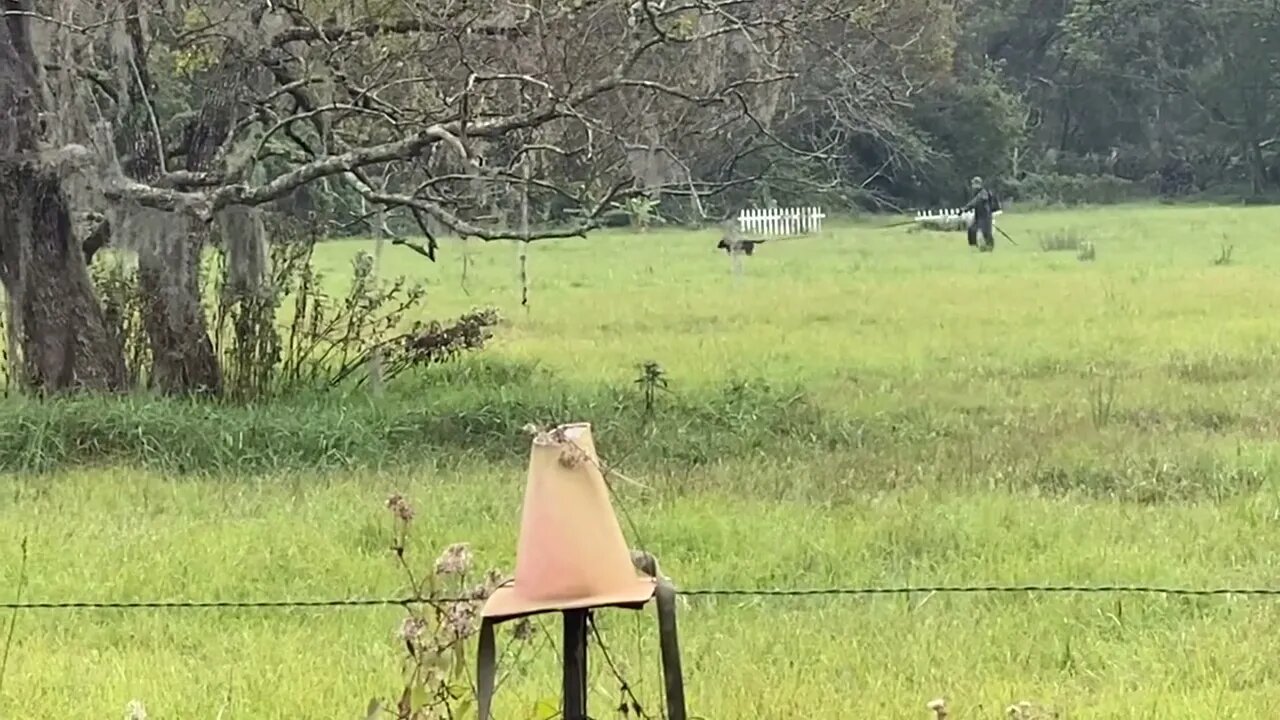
column 870, row 406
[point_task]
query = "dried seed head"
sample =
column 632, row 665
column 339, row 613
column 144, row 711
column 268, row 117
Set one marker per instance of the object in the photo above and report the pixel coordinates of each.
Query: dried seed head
column 455, row 560
column 571, row 457
column 459, row 620
column 400, row 507
column 411, row 629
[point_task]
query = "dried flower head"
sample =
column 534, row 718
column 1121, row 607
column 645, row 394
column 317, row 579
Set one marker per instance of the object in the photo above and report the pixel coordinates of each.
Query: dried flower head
column 459, row 620
column 400, row 507
column 455, row 560
column 570, row 459
column 411, row 629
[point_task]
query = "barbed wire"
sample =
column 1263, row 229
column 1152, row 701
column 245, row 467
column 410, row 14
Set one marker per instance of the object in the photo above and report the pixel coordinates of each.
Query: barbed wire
column 225, row 604
column 762, row 593
column 1043, row 589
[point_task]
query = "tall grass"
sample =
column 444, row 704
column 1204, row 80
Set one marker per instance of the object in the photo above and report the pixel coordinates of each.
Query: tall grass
column 473, row 410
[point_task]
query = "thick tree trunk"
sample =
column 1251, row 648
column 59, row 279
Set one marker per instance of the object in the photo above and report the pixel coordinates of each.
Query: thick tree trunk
column 64, row 341
column 183, row 358
column 182, row 355
column 55, row 321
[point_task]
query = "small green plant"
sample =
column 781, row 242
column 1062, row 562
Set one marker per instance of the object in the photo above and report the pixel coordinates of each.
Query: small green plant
column 1224, row 255
column 1102, row 399
column 643, row 212
column 652, row 379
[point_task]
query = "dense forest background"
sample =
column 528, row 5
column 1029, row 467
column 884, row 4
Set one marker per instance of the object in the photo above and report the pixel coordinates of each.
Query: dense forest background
column 1087, row 101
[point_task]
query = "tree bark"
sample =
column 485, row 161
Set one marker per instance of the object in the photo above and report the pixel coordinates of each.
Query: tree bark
column 55, row 320
column 64, row 341
column 182, row 355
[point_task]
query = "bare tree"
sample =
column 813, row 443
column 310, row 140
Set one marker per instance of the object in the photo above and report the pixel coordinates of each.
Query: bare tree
column 176, row 116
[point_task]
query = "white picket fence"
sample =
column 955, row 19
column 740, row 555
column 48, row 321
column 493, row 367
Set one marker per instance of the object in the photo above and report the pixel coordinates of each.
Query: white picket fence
column 951, row 217
column 777, row 222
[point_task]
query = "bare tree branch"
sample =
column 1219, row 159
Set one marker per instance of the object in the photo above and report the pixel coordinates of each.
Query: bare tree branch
column 605, row 100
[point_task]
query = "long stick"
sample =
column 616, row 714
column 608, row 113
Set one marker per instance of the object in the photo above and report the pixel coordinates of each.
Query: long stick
column 524, row 234
column 1005, row 234
column 379, row 245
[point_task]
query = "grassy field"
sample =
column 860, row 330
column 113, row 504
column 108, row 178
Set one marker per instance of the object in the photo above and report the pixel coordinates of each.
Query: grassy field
column 865, row 407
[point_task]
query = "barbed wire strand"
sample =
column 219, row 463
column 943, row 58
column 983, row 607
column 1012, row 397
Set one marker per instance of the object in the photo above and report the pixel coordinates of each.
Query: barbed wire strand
column 228, row 604
column 831, row 592
column 1043, row 589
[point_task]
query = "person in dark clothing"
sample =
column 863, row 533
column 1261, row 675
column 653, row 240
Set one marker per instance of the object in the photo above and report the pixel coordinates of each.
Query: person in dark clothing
column 984, row 204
